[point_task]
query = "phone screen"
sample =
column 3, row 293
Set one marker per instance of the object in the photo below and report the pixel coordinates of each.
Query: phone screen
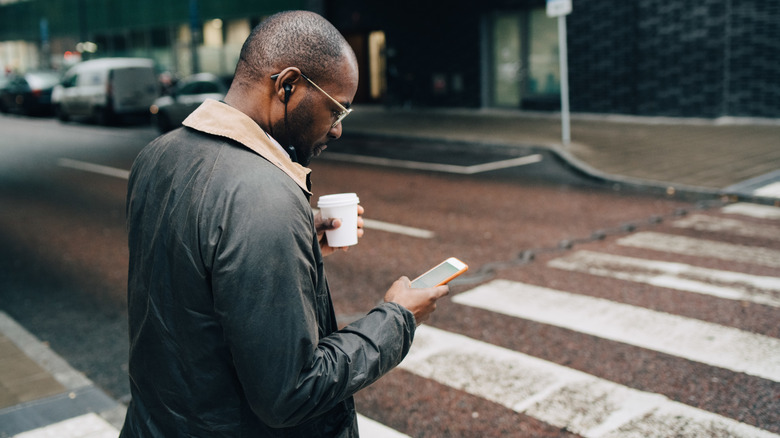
column 435, row 276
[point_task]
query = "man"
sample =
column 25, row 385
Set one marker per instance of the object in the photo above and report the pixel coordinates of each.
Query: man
column 232, row 328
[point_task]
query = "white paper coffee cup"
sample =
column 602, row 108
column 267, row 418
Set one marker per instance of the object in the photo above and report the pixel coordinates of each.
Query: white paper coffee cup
column 342, row 206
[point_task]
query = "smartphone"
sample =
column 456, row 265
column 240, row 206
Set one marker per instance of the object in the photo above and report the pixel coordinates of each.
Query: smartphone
column 440, row 274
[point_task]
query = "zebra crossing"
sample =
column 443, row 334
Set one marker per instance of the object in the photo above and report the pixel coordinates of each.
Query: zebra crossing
column 566, row 398
column 574, row 400
column 691, row 339
column 593, row 406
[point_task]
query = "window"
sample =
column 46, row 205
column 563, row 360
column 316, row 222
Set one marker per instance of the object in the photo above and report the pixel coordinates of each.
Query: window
column 70, row 81
column 524, row 64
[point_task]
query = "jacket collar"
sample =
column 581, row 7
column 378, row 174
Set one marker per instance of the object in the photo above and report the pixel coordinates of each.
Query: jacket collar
column 221, row 119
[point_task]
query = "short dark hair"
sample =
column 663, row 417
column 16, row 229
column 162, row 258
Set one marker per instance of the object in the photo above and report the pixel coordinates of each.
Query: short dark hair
column 300, row 39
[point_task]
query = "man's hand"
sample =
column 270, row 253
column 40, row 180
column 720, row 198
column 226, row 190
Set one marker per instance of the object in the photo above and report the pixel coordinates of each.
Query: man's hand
column 421, row 302
column 322, row 225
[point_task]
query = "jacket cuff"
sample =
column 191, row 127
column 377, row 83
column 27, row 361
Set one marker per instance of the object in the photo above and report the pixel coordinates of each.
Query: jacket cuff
column 406, row 314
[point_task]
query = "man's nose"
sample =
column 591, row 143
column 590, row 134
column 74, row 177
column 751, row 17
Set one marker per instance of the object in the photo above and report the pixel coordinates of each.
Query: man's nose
column 335, row 131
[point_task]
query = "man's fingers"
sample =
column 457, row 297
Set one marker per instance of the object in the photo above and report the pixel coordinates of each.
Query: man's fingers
column 441, row 291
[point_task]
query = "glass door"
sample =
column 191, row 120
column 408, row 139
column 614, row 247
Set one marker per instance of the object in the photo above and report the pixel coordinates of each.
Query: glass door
column 524, row 65
column 544, row 77
column 507, row 60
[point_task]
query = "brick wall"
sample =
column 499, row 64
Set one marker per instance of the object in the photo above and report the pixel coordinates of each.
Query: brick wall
column 675, row 58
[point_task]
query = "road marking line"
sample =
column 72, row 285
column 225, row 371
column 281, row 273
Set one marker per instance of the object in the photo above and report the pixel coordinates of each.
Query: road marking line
column 679, row 276
column 94, row 168
column 770, row 190
column 688, row 338
column 713, row 224
column 374, row 429
column 703, row 248
column 84, row 426
column 125, row 174
column 560, row 396
column 753, row 210
column 437, row 167
column 374, row 224
column 398, row 229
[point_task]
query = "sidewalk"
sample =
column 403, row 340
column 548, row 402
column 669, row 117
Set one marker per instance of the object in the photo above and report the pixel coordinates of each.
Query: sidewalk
column 722, row 157
column 42, row 396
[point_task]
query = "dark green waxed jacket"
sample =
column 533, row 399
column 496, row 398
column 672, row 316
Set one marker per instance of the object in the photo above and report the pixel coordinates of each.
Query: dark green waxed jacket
column 232, row 328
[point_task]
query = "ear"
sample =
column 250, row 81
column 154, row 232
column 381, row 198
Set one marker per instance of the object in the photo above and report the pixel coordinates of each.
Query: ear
column 286, row 83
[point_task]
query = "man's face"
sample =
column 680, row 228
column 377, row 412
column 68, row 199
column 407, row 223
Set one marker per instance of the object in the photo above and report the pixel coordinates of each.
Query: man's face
column 298, row 132
column 309, row 122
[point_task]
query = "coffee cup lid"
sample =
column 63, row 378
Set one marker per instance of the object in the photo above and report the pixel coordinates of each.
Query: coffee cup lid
column 338, row 199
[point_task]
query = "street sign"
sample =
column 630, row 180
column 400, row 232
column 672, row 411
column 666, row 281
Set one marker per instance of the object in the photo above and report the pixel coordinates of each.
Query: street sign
column 557, row 8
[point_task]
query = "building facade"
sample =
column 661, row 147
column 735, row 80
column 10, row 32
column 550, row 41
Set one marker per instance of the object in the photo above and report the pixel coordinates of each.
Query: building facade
column 182, row 36
column 709, row 58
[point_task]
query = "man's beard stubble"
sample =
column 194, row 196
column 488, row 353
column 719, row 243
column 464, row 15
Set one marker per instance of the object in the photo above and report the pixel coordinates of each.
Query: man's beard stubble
column 293, row 133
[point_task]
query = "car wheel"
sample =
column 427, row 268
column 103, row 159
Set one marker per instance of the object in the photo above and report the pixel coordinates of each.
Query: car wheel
column 103, row 116
column 62, row 115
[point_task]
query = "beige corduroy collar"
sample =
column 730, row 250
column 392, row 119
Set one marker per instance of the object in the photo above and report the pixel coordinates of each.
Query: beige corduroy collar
column 219, row 118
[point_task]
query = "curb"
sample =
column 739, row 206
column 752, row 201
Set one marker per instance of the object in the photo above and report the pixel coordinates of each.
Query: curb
column 576, row 165
column 80, row 398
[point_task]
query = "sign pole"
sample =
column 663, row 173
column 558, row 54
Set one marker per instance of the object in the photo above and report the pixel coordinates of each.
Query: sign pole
column 564, row 61
column 560, row 9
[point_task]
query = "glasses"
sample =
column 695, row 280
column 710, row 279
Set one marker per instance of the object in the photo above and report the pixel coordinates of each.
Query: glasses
column 340, row 115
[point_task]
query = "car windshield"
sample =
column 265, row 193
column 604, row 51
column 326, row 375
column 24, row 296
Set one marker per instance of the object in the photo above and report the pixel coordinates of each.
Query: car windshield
column 41, row 80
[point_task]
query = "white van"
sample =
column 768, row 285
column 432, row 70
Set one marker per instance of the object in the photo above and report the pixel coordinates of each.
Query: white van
column 107, row 89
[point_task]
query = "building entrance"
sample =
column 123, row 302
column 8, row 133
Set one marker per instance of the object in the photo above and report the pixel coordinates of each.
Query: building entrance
column 523, row 60
column 369, row 48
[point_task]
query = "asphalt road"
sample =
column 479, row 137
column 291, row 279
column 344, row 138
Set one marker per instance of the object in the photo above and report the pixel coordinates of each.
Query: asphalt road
column 587, row 310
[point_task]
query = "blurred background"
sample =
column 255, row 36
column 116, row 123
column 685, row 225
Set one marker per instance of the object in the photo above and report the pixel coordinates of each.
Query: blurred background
column 710, row 58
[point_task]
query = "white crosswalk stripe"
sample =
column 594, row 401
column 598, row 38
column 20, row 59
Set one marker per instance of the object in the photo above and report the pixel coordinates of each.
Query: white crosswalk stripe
column 703, row 248
column 566, row 398
column 679, row 276
column 753, row 210
column 735, row 227
column 770, row 190
column 699, row 341
column 374, row 429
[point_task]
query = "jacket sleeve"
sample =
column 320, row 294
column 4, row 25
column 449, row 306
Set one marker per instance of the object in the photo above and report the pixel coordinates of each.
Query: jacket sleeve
column 266, row 275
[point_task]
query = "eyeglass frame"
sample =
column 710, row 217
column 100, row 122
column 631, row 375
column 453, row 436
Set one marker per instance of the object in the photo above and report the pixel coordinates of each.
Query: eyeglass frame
column 344, row 110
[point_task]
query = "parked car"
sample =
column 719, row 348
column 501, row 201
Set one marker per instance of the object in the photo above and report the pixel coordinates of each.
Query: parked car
column 3, row 80
column 28, row 93
column 169, row 111
column 3, row 86
column 106, row 90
